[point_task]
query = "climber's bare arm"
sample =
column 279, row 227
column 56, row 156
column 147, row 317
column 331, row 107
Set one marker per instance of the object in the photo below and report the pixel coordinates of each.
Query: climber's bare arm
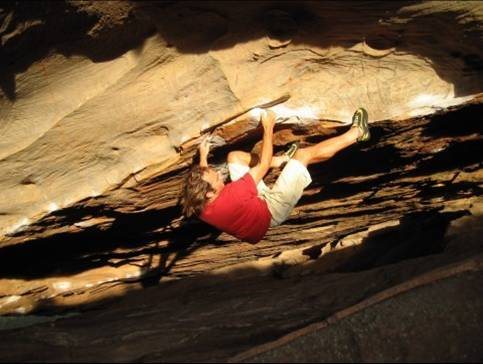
column 204, row 149
column 261, row 169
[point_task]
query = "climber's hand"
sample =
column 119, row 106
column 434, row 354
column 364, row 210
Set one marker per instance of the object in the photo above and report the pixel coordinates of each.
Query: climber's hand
column 268, row 119
column 205, row 145
column 204, row 150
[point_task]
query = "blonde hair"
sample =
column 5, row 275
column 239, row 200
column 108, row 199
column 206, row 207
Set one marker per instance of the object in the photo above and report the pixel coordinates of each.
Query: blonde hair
column 194, row 190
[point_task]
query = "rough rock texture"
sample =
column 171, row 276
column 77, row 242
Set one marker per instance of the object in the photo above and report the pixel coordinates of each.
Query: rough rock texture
column 103, row 104
column 420, row 314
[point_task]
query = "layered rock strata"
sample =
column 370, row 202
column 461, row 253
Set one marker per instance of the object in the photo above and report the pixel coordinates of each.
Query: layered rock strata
column 100, row 121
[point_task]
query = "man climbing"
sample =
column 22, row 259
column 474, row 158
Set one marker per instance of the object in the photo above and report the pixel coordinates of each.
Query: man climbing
column 246, row 207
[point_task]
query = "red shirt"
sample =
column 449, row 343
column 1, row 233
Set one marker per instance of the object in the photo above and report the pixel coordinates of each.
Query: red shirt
column 239, row 211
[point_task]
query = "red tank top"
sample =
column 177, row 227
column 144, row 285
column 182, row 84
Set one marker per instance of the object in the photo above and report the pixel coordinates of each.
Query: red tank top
column 239, row 211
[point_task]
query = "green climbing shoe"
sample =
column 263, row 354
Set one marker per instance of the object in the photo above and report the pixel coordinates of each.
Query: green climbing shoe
column 291, row 151
column 360, row 120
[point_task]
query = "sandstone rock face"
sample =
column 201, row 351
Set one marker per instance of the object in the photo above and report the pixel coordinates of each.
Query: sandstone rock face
column 103, row 104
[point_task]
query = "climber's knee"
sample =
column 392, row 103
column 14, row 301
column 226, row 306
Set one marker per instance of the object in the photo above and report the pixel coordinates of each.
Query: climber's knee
column 238, row 157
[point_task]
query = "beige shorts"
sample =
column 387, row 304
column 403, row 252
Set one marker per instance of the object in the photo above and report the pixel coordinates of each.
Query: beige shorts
column 285, row 193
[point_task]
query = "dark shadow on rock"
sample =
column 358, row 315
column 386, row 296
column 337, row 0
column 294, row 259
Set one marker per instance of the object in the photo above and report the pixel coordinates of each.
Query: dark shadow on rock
column 457, row 123
column 7, row 79
column 460, row 65
column 216, row 25
column 418, row 234
column 52, row 23
column 198, row 27
column 182, row 241
column 136, row 233
column 385, row 160
column 456, row 155
column 430, row 189
column 63, row 27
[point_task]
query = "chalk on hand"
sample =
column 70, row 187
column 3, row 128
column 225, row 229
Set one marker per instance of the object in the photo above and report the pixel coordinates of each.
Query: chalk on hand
column 256, row 113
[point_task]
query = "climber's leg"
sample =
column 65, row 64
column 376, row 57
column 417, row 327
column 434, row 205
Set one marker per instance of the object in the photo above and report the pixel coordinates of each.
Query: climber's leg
column 328, row 148
column 242, row 158
column 251, row 159
column 287, row 191
column 295, row 177
column 239, row 163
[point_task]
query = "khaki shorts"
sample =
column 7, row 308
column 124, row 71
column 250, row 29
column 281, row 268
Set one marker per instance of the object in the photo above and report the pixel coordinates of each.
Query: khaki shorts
column 285, row 193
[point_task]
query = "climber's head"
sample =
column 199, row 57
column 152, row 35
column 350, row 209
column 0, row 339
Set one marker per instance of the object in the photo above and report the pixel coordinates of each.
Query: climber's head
column 201, row 185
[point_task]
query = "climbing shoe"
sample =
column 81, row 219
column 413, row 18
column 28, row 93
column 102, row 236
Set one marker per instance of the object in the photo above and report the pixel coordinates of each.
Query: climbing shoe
column 291, row 151
column 360, row 121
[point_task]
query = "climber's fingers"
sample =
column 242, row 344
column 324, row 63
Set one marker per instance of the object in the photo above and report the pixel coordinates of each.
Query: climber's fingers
column 205, row 144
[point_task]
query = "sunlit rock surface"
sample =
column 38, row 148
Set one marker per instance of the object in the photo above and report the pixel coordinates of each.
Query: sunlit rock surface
column 103, row 104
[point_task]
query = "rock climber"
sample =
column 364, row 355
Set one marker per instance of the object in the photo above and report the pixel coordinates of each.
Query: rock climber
column 246, row 207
